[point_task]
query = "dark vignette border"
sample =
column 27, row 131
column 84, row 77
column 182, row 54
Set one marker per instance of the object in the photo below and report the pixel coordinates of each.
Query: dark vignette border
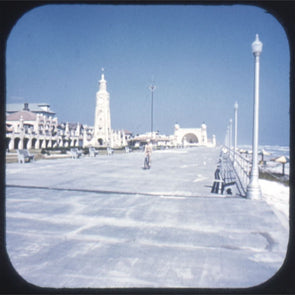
column 283, row 282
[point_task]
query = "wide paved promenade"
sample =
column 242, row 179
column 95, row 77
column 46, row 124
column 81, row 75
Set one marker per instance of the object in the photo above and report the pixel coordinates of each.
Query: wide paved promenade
column 106, row 222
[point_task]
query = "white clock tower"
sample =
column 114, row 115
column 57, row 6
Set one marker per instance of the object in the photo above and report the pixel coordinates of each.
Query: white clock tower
column 102, row 120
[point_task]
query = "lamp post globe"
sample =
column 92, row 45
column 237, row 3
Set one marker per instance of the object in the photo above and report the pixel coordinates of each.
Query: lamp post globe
column 257, row 46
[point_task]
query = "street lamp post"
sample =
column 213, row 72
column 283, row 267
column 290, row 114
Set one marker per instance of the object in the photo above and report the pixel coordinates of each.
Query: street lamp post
column 253, row 189
column 226, row 141
column 236, row 131
column 152, row 89
column 230, row 133
column 230, row 136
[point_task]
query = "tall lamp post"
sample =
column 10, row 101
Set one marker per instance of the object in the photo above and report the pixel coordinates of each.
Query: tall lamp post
column 152, row 89
column 236, row 130
column 253, row 189
column 230, row 133
column 230, row 137
column 226, row 141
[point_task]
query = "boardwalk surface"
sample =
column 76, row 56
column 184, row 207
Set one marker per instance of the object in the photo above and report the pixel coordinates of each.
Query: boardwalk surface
column 106, row 222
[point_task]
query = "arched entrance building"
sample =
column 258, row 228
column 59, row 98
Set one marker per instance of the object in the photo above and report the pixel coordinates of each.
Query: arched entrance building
column 191, row 136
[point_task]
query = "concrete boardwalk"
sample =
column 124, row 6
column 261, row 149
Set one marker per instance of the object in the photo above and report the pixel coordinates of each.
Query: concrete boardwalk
column 183, row 171
column 106, row 222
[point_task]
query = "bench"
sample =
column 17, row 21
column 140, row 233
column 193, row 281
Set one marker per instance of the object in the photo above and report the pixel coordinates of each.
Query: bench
column 110, row 151
column 221, row 182
column 24, row 156
column 226, row 184
column 75, row 153
column 92, row 152
column 217, row 182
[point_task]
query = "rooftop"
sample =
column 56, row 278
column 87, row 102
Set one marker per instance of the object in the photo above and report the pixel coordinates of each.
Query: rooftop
column 33, row 107
column 26, row 115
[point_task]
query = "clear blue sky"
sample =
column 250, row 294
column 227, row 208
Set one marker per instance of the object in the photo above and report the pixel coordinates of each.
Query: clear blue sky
column 199, row 57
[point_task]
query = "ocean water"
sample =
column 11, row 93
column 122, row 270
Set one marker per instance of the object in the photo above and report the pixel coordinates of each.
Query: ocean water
column 275, row 151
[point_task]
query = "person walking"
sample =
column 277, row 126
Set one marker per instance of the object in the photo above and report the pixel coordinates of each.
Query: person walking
column 148, row 155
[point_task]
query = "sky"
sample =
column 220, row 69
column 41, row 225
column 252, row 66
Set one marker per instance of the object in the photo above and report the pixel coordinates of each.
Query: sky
column 198, row 57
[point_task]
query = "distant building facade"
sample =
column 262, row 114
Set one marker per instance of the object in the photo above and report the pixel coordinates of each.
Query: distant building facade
column 192, row 136
column 182, row 137
column 35, row 126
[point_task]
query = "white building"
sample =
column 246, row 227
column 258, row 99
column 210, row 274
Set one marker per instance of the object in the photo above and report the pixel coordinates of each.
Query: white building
column 182, row 137
column 192, row 136
column 103, row 135
column 35, row 126
column 102, row 120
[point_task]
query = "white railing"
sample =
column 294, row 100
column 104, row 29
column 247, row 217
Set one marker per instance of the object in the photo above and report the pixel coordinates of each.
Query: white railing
column 241, row 164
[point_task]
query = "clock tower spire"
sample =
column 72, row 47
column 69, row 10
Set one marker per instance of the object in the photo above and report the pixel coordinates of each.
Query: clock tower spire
column 102, row 120
column 102, row 82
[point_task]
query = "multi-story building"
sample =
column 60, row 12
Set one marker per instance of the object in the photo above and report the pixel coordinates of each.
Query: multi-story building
column 36, row 127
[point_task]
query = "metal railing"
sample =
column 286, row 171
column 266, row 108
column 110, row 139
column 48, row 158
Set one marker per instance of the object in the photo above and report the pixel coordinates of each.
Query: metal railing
column 241, row 165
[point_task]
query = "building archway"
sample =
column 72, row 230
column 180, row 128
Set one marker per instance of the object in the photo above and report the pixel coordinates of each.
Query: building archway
column 7, row 142
column 190, row 138
column 25, row 143
column 34, row 141
column 16, row 143
column 100, row 141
